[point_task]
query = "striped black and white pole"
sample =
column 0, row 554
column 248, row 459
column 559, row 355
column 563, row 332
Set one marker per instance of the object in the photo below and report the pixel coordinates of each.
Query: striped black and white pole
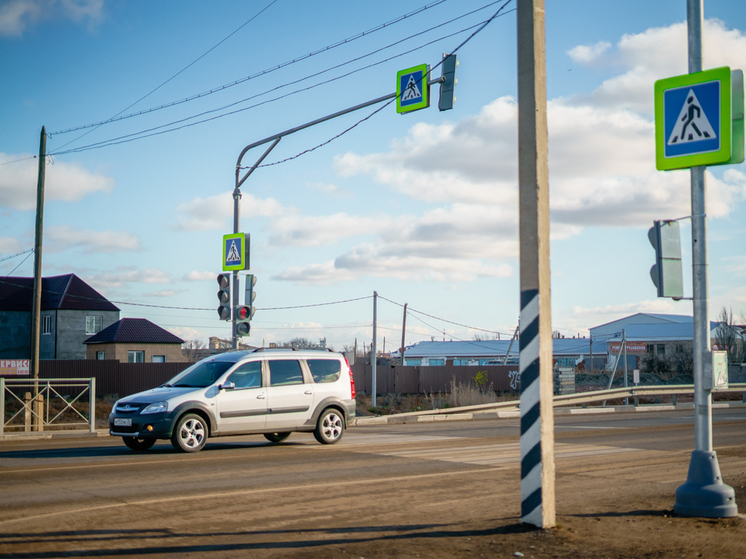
column 531, row 463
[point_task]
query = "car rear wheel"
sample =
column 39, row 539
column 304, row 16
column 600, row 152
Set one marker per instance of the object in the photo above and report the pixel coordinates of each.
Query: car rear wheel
column 276, row 437
column 330, row 427
column 190, row 434
column 138, row 444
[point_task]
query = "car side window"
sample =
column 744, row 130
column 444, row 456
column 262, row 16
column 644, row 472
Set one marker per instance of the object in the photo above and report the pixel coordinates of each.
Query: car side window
column 324, row 370
column 248, row 375
column 283, row 372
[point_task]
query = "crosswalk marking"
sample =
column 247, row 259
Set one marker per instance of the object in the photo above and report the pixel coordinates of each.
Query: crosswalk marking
column 509, row 453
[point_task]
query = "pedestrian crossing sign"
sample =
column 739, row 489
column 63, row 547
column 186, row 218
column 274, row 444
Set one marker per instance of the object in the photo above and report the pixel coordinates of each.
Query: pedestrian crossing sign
column 693, row 120
column 412, row 90
column 235, row 253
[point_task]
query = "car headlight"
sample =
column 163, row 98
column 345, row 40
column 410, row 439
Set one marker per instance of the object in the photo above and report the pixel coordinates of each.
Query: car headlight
column 155, row 407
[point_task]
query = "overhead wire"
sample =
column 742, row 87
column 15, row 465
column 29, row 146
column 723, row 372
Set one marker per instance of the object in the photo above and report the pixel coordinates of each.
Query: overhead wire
column 96, row 126
column 178, row 124
column 257, row 74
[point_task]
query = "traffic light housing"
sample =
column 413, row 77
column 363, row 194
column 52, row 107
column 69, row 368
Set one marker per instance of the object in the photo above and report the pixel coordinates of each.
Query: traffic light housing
column 666, row 273
column 245, row 313
column 224, row 296
column 243, row 316
column 448, row 72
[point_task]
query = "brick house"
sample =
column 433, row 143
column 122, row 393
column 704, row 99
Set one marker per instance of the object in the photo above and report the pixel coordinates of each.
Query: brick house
column 135, row 340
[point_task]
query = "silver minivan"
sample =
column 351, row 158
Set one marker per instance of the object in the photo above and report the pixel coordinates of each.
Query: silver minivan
column 269, row 392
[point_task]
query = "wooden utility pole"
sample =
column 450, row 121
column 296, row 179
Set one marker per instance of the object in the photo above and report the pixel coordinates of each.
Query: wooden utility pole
column 537, row 415
column 403, row 332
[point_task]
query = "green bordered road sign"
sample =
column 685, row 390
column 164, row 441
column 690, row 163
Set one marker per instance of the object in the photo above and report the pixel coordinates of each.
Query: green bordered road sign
column 234, row 252
column 412, row 91
column 693, row 120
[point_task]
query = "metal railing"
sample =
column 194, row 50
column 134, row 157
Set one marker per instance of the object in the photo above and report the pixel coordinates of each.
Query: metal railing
column 40, row 403
column 583, row 398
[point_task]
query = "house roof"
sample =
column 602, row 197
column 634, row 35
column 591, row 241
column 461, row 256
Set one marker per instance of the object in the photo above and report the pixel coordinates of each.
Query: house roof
column 134, row 330
column 498, row 348
column 67, row 292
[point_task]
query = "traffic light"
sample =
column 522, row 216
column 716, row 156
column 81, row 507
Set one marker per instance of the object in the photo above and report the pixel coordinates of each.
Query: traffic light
column 243, row 316
column 448, row 71
column 666, row 273
column 224, row 296
column 249, row 294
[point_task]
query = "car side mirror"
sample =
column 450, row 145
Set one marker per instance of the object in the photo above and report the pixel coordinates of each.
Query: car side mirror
column 227, row 386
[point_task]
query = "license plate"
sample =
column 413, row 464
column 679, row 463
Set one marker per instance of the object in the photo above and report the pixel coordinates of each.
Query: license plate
column 123, row 421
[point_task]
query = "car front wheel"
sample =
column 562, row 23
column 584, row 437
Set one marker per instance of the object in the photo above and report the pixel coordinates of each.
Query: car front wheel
column 330, row 427
column 138, row 444
column 190, row 434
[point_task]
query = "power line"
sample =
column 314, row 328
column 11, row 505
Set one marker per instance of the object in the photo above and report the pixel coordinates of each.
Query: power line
column 159, row 130
column 96, row 126
column 256, row 75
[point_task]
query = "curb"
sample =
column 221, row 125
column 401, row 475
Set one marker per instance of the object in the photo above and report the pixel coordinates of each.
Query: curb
column 48, row 435
column 401, row 419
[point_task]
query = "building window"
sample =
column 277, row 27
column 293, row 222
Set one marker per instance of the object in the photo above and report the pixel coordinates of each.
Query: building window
column 46, row 324
column 158, row 359
column 136, row 357
column 93, row 324
column 100, row 355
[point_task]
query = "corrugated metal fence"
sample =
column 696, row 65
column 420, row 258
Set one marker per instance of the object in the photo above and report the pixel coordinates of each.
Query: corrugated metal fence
column 397, row 379
column 123, row 379
column 113, row 377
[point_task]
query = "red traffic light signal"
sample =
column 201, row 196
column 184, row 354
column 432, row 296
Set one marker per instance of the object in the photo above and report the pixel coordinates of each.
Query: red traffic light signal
column 244, row 313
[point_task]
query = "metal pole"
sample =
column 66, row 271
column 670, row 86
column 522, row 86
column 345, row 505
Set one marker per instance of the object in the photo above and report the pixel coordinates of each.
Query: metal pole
column 403, row 332
column 92, row 405
column 373, row 350
column 704, row 494
column 537, row 383
column 626, row 382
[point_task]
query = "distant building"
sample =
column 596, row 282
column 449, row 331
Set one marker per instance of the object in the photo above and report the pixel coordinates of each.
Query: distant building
column 567, row 352
column 71, row 311
column 135, row 340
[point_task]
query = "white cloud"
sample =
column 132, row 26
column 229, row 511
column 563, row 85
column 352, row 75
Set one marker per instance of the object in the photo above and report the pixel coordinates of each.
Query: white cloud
column 323, row 230
column 18, row 15
column 59, row 238
column 633, row 90
column 215, row 213
column 330, row 189
column 587, row 54
column 195, row 275
column 9, row 245
column 125, row 275
column 64, row 181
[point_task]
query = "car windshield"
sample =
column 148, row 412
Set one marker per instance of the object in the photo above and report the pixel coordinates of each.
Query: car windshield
column 200, row 375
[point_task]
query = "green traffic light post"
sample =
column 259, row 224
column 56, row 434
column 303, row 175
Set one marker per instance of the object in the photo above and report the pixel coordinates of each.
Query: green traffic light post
column 415, row 93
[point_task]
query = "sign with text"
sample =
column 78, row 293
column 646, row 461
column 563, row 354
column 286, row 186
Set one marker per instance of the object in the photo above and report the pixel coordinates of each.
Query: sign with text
column 14, row 367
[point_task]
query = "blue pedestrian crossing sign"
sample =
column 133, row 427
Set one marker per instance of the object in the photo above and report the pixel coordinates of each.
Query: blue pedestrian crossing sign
column 693, row 120
column 235, row 252
column 412, row 90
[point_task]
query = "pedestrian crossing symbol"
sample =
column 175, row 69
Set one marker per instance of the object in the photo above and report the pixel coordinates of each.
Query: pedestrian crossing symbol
column 412, row 90
column 235, row 253
column 693, row 119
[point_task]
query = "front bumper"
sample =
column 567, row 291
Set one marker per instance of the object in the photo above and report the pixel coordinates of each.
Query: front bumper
column 144, row 426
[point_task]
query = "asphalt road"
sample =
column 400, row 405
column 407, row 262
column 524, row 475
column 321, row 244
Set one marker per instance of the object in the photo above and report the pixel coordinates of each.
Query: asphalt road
column 95, row 497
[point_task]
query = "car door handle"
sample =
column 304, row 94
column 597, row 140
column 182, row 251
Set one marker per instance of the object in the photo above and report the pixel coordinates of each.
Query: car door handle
column 260, row 397
column 309, row 391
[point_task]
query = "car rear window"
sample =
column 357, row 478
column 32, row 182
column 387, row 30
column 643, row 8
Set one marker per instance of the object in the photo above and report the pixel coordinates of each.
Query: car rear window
column 285, row 371
column 325, row 370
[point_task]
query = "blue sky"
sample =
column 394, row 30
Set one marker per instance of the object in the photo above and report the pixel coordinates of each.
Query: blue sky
column 421, row 208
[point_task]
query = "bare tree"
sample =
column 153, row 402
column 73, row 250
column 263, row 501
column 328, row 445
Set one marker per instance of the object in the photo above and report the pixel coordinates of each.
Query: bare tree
column 728, row 338
column 190, row 349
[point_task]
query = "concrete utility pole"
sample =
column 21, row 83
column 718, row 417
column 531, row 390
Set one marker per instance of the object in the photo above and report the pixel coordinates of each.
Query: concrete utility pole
column 36, row 307
column 704, row 494
column 537, row 415
column 373, row 351
column 403, row 332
